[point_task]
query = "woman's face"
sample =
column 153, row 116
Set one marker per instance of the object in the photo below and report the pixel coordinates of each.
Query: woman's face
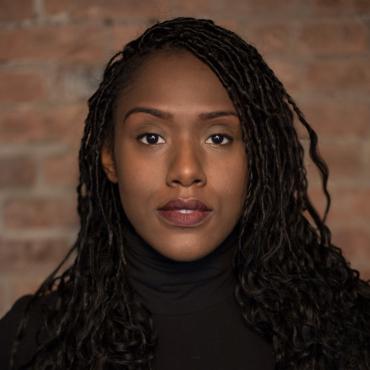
column 186, row 154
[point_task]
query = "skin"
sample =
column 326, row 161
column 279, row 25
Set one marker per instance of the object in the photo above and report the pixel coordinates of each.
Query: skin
column 184, row 159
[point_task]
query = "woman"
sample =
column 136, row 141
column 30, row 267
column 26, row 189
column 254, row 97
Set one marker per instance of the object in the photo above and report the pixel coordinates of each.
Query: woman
column 194, row 250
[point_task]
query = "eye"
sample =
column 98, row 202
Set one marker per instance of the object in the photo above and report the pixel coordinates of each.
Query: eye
column 152, row 138
column 220, row 137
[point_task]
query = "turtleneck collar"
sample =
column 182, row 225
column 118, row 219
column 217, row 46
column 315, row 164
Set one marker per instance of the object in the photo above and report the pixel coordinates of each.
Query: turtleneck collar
column 174, row 287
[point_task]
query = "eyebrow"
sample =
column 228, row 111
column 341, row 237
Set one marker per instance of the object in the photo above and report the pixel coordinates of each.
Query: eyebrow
column 167, row 115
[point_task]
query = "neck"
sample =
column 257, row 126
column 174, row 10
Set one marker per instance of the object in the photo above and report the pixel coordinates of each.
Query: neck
column 167, row 286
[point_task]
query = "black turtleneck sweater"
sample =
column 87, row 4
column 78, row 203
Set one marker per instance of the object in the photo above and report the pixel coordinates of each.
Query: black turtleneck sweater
column 198, row 321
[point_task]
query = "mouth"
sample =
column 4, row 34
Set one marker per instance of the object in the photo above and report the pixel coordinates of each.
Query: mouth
column 184, row 217
column 185, row 212
column 186, row 204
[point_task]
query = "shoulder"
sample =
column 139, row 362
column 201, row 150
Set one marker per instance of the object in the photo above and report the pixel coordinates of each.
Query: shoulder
column 9, row 326
column 9, row 322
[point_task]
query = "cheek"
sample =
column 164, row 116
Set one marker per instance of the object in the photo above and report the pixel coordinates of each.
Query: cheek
column 138, row 180
column 229, row 178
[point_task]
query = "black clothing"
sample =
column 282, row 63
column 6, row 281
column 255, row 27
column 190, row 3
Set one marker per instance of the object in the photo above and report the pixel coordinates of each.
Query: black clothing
column 9, row 325
column 199, row 323
column 198, row 320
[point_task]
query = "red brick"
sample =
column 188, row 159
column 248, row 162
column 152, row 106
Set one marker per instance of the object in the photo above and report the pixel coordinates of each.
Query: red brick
column 54, row 7
column 120, row 35
column 288, row 72
column 347, row 223
column 17, row 171
column 56, row 43
column 28, row 213
column 36, row 125
column 16, row 10
column 340, row 75
column 317, row 197
column 61, row 169
column 188, row 8
column 27, row 283
column 75, row 83
column 18, row 254
column 267, row 8
column 21, row 86
column 339, row 7
column 353, row 239
column 355, row 244
column 8, row 296
column 345, row 159
column 338, row 118
column 346, row 162
column 360, row 6
column 109, row 9
column 350, row 207
column 268, row 38
column 333, row 38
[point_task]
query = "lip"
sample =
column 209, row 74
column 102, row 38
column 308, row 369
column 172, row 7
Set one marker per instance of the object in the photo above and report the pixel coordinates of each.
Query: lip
column 185, row 203
column 173, row 212
column 191, row 219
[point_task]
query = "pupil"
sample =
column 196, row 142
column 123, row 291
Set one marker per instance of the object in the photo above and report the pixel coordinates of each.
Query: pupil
column 219, row 137
column 151, row 136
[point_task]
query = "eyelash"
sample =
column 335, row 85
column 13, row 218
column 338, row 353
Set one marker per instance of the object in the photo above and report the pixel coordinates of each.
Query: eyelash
column 151, row 133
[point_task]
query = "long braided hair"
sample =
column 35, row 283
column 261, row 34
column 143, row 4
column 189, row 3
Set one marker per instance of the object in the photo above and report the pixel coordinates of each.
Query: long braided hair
column 294, row 286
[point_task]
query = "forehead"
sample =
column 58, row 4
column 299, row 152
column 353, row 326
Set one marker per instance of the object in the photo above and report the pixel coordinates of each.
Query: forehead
column 176, row 76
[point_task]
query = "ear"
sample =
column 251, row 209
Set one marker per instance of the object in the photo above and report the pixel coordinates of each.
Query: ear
column 108, row 163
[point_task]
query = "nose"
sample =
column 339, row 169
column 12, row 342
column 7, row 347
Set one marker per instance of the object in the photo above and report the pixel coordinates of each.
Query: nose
column 186, row 165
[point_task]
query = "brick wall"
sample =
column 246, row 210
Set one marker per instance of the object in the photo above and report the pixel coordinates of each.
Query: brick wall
column 51, row 56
